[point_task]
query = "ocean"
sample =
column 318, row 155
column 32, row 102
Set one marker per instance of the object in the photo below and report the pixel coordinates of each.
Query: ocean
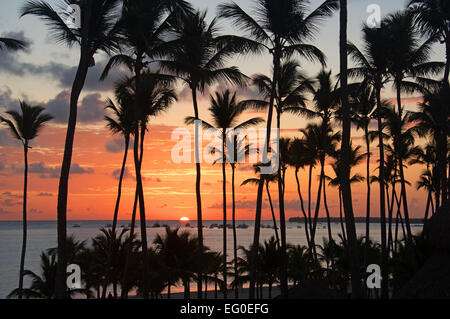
column 42, row 235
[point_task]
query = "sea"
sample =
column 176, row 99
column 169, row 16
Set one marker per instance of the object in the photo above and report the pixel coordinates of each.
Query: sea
column 42, row 235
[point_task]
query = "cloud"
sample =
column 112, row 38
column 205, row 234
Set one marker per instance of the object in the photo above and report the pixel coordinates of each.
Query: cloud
column 90, row 110
column 52, row 171
column 10, row 203
column 11, row 63
column 35, row 211
column 44, row 195
column 127, row 174
column 4, row 212
column 115, row 145
column 11, row 195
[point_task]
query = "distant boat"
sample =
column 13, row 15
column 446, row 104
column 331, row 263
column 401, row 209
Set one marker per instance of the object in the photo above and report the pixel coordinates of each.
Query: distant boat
column 76, row 226
column 242, row 226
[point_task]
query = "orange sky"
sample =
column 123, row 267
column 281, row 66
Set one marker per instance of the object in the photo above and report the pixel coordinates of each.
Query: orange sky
column 169, row 187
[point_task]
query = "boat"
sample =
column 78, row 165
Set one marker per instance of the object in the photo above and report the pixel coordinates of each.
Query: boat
column 76, row 226
column 242, row 226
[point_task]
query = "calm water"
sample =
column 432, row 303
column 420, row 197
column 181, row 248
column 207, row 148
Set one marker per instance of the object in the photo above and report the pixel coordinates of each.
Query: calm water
column 42, row 235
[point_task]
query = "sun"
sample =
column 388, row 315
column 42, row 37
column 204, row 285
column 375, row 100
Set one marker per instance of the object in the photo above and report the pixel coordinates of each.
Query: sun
column 184, row 219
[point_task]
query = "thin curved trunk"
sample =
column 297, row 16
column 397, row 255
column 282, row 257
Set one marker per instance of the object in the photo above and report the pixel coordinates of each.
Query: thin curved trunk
column 402, row 175
column 357, row 291
column 275, row 227
column 318, row 200
column 284, row 260
column 236, row 290
column 341, row 217
column 366, row 248
column 224, row 194
column 119, row 188
column 63, row 188
column 384, row 252
column 257, row 229
column 24, row 220
column 303, row 208
column 330, row 238
column 198, row 194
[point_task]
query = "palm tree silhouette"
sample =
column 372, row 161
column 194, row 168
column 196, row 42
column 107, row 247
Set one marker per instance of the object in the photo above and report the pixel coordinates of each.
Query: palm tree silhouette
column 281, row 30
column 300, row 156
column 42, row 287
column 155, row 96
column 433, row 18
column 363, row 103
column 268, row 179
column 140, row 30
column 197, row 56
column 96, row 32
column 372, row 66
column 225, row 110
column 25, row 126
column 121, row 122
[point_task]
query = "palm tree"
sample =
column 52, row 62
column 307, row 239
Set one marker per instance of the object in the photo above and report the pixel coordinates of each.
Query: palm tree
column 300, row 157
column 156, row 94
column 433, row 19
column 180, row 253
column 267, row 180
column 283, row 32
column 363, row 103
column 42, row 287
column 321, row 139
column 25, row 127
column 403, row 149
column 431, row 122
column 290, row 98
column 225, row 110
column 95, row 33
column 141, row 30
column 356, row 157
column 198, row 56
column 372, row 66
column 121, row 123
column 407, row 59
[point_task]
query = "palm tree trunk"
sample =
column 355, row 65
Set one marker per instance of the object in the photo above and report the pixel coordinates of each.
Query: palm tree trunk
column 119, row 189
column 198, row 194
column 144, row 245
column 77, row 87
column 224, row 193
column 254, row 254
column 309, row 199
column 24, row 220
column 402, row 176
column 236, row 290
column 341, row 218
column 427, row 209
column 275, row 227
column 330, row 237
column 384, row 252
column 357, row 291
column 318, row 200
column 303, row 208
column 366, row 248
column 284, row 261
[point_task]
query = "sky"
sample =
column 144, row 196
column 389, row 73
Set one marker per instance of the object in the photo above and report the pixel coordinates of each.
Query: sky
column 43, row 74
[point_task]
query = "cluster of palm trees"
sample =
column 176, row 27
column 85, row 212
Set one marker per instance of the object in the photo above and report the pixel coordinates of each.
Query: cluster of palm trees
column 160, row 43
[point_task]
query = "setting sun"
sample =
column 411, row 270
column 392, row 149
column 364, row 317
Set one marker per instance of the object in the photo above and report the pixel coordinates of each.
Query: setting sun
column 184, row 219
